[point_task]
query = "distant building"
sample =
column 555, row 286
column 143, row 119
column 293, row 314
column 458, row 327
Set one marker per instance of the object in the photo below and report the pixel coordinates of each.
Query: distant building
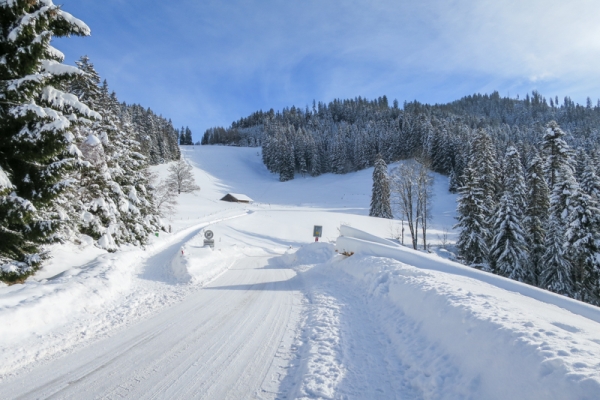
column 237, row 198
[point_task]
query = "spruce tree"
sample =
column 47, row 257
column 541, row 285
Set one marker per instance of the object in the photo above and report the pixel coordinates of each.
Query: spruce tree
column 128, row 168
column 557, row 270
column 509, row 257
column 36, row 119
column 483, row 162
column 582, row 244
column 474, row 233
column 380, row 197
column 536, row 216
column 286, row 157
column 188, row 136
column 590, row 182
column 556, row 152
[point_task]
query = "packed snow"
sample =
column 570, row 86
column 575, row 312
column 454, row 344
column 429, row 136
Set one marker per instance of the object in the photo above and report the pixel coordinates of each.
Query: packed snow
column 270, row 314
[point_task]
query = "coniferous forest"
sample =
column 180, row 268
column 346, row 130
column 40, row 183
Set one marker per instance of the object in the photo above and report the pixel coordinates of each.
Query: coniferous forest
column 526, row 171
column 73, row 159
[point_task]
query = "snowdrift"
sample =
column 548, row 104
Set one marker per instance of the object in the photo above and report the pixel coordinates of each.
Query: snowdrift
column 356, row 241
column 463, row 333
column 198, row 264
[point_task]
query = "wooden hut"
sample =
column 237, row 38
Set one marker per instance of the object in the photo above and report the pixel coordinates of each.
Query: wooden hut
column 237, row 198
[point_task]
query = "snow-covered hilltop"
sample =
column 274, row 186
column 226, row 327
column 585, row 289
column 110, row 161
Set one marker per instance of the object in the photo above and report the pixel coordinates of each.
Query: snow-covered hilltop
column 271, row 314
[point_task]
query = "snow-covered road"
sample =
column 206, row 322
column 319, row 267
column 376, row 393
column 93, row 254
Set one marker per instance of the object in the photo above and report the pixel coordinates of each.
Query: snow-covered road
column 220, row 342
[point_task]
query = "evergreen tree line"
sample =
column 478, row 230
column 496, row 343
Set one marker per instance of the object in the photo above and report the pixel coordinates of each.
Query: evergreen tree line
column 534, row 219
column 155, row 134
column 346, row 135
column 73, row 159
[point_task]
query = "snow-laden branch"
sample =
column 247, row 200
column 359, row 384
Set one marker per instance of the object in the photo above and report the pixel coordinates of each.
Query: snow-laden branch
column 79, row 27
column 55, row 68
column 61, row 100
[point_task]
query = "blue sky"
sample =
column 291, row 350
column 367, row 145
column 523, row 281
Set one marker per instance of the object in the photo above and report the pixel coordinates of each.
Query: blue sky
column 205, row 63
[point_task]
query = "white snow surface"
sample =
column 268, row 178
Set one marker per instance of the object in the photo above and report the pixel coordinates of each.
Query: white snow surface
column 270, row 314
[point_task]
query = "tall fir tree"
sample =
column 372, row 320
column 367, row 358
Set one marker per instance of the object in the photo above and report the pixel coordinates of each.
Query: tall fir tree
column 536, row 216
column 93, row 199
column 556, row 152
column 380, row 197
column 583, row 244
column 483, row 162
column 508, row 254
column 471, row 214
column 590, row 182
column 188, row 136
column 36, row 119
column 557, row 270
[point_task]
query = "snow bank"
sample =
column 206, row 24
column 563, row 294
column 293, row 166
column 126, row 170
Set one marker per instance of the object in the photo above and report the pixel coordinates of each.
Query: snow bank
column 93, row 297
column 464, row 333
column 432, row 262
column 35, row 308
column 462, row 338
column 349, row 231
column 306, row 257
column 197, row 264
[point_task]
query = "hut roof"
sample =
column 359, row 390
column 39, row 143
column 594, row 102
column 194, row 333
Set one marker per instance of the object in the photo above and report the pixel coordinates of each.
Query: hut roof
column 238, row 197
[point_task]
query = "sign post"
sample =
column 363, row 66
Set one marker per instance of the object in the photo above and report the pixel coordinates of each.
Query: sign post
column 317, row 232
column 208, row 239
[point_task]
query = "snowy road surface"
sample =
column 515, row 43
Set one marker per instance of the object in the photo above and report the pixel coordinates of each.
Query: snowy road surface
column 219, row 343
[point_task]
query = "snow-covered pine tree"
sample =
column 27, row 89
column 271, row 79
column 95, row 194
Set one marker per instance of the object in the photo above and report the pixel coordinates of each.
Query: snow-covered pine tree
column 508, row 254
column 315, row 160
column 300, row 151
column 583, row 244
column 182, row 138
column 474, row 233
column 380, row 197
column 557, row 271
column 536, row 216
column 590, row 182
column 360, row 156
column 556, row 153
column 563, row 192
column 483, row 161
column 36, row 119
column 98, row 211
column 286, row 172
column 188, row 136
column 132, row 192
column 563, row 186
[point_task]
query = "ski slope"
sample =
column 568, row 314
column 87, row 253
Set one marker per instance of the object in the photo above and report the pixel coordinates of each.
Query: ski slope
column 269, row 314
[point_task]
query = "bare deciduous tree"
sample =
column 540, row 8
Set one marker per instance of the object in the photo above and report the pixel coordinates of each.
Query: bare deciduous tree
column 165, row 199
column 181, row 178
column 425, row 188
column 411, row 188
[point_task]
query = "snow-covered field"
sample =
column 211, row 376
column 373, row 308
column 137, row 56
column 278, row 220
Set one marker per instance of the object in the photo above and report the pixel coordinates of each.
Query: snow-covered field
column 270, row 314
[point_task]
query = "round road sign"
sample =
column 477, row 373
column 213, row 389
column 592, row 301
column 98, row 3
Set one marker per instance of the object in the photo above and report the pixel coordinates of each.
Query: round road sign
column 208, row 234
